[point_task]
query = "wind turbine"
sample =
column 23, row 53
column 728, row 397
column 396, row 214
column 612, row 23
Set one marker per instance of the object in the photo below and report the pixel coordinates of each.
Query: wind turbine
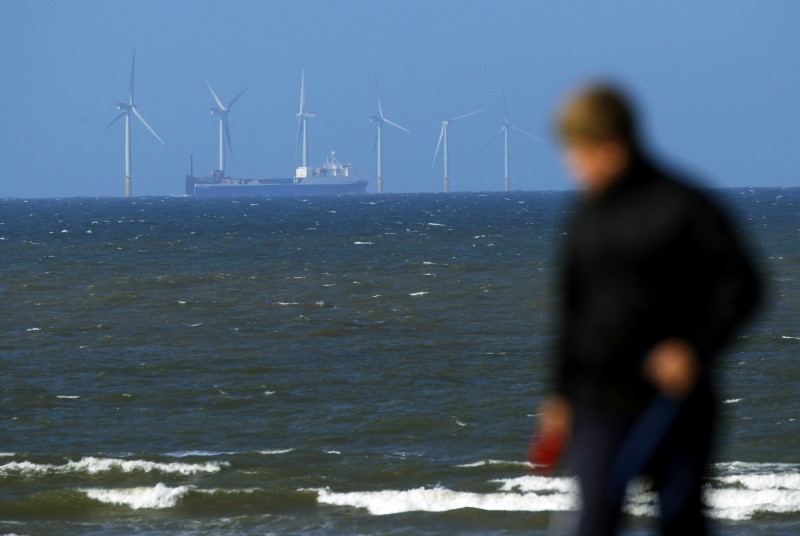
column 443, row 136
column 302, row 117
column 505, row 127
column 379, row 120
column 127, row 108
column 224, row 131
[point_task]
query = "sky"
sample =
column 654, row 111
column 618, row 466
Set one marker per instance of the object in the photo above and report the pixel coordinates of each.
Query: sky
column 717, row 83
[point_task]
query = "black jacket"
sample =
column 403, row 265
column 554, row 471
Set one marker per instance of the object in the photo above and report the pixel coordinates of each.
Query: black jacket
column 648, row 259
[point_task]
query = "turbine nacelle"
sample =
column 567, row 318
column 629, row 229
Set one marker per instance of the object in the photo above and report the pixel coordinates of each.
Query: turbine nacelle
column 123, row 106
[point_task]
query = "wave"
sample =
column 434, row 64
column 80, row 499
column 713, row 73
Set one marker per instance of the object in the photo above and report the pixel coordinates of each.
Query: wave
column 199, row 453
column 736, row 492
column 442, row 500
column 482, row 463
column 156, row 497
column 215, row 453
column 92, row 465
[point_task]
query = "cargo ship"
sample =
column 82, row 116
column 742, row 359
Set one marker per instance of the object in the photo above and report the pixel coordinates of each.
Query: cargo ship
column 333, row 178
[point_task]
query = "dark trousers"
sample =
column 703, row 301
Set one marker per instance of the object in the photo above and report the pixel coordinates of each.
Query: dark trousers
column 677, row 466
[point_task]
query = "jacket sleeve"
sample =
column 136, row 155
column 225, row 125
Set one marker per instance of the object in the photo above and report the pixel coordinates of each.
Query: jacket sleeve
column 731, row 283
column 565, row 366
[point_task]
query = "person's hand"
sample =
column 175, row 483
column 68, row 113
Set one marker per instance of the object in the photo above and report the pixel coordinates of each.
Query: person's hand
column 556, row 417
column 552, row 435
column 672, row 366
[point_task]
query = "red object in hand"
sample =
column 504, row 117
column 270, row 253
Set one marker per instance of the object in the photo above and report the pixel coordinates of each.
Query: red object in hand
column 545, row 452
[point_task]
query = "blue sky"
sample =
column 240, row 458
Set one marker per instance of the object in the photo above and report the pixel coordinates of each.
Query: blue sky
column 718, row 83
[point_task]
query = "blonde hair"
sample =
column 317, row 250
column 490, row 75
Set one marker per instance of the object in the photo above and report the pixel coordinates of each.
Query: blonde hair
column 597, row 113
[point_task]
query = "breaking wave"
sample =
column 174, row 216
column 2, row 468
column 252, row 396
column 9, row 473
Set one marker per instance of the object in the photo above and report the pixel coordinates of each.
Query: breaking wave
column 737, row 492
column 92, row 465
column 158, row 496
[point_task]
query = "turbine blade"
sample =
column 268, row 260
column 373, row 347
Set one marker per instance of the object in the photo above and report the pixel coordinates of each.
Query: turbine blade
column 153, row 132
column 438, row 144
column 380, row 104
column 526, row 133
column 466, row 115
column 236, row 98
column 117, row 118
column 395, row 125
column 297, row 143
column 227, row 133
column 133, row 65
column 485, row 145
column 302, row 90
column 375, row 143
column 214, row 94
column 505, row 105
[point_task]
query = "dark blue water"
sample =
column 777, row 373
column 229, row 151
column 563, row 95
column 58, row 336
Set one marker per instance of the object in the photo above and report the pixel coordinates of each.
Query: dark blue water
column 366, row 364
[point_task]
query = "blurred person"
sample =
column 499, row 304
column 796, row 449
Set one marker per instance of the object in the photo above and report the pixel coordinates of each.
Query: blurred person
column 654, row 283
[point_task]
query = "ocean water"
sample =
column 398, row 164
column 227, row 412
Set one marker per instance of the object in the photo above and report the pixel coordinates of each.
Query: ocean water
column 354, row 365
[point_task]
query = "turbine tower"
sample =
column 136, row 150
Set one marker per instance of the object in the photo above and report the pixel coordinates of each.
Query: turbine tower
column 505, row 127
column 224, row 131
column 379, row 120
column 302, row 118
column 127, row 108
column 443, row 136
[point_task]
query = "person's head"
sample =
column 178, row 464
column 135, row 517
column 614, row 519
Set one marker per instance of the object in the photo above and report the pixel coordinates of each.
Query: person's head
column 597, row 130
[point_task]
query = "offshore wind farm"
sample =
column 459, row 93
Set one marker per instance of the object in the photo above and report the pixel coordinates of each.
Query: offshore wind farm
column 333, row 177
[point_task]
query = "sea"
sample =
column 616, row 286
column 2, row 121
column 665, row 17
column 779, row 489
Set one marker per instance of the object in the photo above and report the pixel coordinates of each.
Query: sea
column 367, row 364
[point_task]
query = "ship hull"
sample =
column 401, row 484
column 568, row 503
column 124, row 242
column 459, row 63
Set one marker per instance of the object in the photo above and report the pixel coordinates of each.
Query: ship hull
column 196, row 188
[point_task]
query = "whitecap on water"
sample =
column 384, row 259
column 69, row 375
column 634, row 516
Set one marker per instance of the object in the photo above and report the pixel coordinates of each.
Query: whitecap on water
column 441, row 500
column 737, row 492
column 158, row 496
column 92, row 465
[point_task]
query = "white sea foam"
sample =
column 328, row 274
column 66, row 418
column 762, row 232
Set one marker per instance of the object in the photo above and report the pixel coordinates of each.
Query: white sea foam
column 737, row 492
column 442, row 500
column 537, row 484
column 732, row 400
column 481, row 463
column 199, row 453
column 422, row 293
column 159, row 496
column 92, row 465
column 68, row 397
column 362, row 243
column 275, row 451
